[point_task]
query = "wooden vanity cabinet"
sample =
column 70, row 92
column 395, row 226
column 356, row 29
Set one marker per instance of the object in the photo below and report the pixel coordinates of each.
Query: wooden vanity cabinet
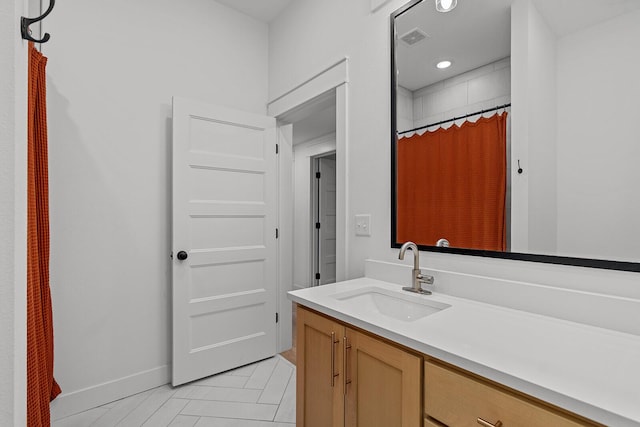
column 347, row 377
column 372, row 383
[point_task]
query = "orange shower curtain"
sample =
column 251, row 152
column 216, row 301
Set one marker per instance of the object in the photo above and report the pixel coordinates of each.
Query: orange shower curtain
column 452, row 185
column 41, row 387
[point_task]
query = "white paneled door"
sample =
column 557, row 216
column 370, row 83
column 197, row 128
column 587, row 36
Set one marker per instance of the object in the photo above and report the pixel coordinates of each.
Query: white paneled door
column 327, row 214
column 224, row 239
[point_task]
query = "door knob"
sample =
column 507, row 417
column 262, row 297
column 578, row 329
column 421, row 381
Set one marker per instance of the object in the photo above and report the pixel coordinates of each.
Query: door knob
column 182, row 255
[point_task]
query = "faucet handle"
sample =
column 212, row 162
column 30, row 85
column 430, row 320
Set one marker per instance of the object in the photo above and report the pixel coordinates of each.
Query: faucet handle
column 425, row 278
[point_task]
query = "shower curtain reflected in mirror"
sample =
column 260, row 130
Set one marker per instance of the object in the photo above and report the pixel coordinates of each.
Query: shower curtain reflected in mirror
column 452, row 185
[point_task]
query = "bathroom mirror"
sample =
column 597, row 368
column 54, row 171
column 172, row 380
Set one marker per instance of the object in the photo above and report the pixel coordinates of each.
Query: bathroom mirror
column 548, row 170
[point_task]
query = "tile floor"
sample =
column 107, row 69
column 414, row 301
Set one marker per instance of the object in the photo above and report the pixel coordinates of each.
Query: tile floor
column 258, row 395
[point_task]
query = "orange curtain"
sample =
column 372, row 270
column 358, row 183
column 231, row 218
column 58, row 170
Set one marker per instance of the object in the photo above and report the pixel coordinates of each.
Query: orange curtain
column 41, row 387
column 452, row 185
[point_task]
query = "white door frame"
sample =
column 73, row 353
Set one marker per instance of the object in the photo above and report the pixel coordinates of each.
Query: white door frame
column 284, row 246
column 333, row 77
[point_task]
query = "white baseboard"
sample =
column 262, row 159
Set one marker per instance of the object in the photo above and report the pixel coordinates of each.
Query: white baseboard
column 101, row 394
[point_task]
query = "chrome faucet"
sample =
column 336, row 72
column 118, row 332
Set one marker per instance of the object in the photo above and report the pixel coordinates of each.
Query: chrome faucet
column 418, row 277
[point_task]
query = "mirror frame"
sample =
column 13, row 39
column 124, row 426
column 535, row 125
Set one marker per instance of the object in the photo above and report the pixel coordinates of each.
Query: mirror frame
column 517, row 256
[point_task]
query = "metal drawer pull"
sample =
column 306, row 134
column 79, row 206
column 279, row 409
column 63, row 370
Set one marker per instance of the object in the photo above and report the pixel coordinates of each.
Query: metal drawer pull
column 488, row 424
column 333, row 359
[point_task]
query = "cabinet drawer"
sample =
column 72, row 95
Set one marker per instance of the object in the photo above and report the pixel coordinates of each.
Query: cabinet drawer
column 428, row 422
column 457, row 399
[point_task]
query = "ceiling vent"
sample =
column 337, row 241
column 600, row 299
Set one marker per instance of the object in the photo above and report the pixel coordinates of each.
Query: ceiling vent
column 414, row 36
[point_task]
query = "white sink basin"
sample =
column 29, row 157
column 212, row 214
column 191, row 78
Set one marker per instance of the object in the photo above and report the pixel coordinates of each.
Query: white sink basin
column 393, row 304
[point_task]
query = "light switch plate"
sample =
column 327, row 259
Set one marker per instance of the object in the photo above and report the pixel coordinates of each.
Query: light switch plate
column 363, row 225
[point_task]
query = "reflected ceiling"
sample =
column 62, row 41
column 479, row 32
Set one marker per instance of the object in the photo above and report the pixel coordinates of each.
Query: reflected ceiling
column 489, row 22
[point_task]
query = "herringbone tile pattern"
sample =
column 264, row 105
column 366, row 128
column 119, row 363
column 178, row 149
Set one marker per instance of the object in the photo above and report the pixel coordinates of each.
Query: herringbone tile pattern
column 258, row 395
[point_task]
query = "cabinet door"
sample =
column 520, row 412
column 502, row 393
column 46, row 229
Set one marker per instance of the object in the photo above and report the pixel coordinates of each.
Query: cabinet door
column 320, row 396
column 383, row 383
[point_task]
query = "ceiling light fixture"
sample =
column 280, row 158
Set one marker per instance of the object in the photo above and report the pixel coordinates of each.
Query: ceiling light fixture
column 443, row 64
column 446, row 5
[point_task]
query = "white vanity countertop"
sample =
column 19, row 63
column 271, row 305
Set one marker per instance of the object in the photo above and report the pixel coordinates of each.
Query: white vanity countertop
column 590, row 371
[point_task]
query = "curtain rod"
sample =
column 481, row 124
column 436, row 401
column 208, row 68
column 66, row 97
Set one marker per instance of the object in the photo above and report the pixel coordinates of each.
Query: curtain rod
column 456, row 118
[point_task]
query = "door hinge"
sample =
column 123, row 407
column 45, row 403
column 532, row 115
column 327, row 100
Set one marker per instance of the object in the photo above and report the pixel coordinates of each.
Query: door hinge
column 317, row 276
column 318, row 175
column 277, row 233
column 277, row 318
column 317, row 225
column 277, row 148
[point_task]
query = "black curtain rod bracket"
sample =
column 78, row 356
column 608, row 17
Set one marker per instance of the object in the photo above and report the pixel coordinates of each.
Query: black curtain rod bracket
column 499, row 107
column 26, row 22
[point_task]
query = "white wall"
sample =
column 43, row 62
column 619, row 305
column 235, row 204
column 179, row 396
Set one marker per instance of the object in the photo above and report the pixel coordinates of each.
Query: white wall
column 113, row 68
column 482, row 88
column 404, row 111
column 303, row 153
column 519, row 125
column 13, row 170
column 542, row 117
column 598, row 143
column 308, row 37
column 578, row 154
column 305, row 39
column 534, row 203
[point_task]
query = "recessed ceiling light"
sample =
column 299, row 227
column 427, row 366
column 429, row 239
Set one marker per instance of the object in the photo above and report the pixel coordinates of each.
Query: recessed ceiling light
column 446, row 5
column 443, row 64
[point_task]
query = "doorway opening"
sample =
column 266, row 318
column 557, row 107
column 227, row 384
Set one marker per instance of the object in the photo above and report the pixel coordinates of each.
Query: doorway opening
column 312, row 205
column 313, row 142
column 312, row 121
